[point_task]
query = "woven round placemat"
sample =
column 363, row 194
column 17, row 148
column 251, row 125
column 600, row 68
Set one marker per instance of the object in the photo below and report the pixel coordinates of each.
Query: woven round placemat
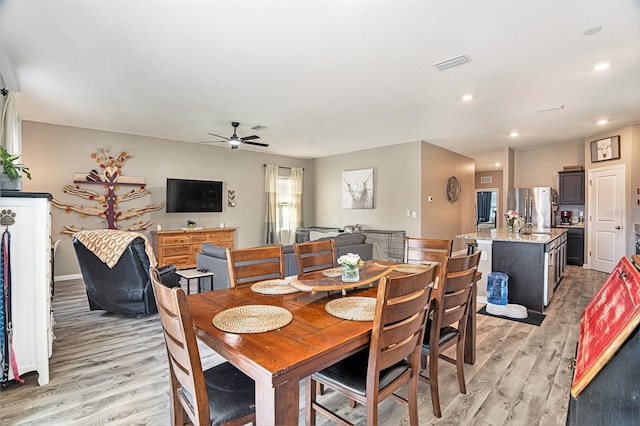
column 333, row 272
column 277, row 286
column 412, row 269
column 252, row 319
column 354, row 308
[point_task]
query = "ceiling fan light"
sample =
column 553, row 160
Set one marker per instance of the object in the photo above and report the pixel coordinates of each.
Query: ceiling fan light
column 234, row 140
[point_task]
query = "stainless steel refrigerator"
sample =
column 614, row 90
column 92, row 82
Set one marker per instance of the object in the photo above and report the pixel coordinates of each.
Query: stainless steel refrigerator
column 537, row 205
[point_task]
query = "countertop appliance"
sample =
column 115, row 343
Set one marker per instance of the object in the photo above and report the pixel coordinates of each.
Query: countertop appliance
column 565, row 217
column 537, row 205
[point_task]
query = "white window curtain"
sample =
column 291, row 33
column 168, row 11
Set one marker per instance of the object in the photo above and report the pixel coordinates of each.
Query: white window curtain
column 284, row 205
column 10, row 126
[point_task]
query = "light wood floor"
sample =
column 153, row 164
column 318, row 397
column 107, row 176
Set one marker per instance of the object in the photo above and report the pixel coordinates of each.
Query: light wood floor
column 107, row 369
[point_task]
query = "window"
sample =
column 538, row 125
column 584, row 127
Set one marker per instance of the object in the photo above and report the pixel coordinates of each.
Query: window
column 285, row 203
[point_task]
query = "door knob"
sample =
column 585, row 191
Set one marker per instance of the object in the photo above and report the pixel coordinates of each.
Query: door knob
column 618, row 227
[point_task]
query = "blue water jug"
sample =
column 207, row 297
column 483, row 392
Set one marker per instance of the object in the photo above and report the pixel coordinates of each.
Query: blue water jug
column 497, row 288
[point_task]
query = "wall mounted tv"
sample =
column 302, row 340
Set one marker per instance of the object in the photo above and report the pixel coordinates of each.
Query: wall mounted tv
column 193, row 196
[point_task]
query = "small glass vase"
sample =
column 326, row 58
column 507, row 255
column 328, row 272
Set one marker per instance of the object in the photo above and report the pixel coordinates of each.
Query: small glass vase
column 510, row 227
column 350, row 274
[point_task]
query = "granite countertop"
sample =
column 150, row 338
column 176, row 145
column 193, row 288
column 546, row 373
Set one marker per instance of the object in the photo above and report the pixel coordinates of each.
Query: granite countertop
column 542, row 236
column 571, row 226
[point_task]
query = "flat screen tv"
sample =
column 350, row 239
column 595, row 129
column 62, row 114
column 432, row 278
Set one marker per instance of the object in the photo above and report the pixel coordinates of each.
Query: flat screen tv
column 193, row 196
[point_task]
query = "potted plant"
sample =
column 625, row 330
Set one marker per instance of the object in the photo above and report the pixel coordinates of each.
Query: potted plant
column 11, row 178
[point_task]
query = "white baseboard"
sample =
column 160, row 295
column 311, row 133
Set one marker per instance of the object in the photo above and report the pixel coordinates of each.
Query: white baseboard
column 481, row 299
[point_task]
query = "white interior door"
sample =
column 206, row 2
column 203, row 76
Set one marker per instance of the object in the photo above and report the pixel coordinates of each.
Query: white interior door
column 606, row 217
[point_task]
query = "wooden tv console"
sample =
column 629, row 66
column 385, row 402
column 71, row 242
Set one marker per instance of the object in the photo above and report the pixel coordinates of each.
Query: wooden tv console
column 179, row 247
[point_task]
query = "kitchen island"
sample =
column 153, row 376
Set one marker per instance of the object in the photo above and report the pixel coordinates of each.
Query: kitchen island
column 534, row 260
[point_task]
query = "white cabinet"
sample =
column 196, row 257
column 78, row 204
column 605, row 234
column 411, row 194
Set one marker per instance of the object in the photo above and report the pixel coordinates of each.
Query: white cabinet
column 30, row 253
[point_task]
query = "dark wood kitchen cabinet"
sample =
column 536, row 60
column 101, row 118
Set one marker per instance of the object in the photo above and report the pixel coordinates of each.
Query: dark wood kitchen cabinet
column 575, row 246
column 572, row 187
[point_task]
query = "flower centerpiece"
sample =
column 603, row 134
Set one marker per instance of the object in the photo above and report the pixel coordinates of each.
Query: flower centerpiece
column 350, row 263
column 513, row 219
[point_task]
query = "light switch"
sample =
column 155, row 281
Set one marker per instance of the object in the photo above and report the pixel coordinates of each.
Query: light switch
column 413, row 214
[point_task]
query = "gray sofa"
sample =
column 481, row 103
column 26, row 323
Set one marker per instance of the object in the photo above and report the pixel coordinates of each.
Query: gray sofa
column 214, row 258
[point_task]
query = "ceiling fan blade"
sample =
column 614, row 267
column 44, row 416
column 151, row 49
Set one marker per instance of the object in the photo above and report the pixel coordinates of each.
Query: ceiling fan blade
column 218, row 136
column 249, row 138
column 256, row 143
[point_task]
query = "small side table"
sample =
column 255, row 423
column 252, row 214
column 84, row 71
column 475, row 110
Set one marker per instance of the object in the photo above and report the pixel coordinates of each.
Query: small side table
column 190, row 274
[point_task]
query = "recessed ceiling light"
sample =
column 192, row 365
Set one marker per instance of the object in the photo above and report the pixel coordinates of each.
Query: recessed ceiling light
column 603, row 122
column 592, row 30
column 601, row 66
column 467, row 97
column 497, row 165
column 514, row 134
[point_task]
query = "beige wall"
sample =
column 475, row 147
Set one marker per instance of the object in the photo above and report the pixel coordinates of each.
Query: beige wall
column 405, row 176
column 440, row 217
column 496, row 180
column 540, row 166
column 630, row 157
column 396, row 188
column 53, row 153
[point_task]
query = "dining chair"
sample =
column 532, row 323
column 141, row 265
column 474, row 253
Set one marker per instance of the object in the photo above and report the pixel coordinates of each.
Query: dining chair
column 250, row 265
column 428, row 250
column 392, row 359
column 221, row 395
column 315, row 255
column 447, row 324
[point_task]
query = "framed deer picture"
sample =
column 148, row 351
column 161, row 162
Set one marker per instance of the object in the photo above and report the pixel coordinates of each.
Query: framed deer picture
column 605, row 149
column 357, row 189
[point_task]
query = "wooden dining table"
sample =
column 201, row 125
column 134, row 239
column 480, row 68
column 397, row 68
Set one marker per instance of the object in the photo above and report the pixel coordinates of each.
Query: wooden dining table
column 277, row 360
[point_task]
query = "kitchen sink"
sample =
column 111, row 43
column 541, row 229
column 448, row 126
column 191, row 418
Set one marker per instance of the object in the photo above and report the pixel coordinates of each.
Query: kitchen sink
column 535, row 233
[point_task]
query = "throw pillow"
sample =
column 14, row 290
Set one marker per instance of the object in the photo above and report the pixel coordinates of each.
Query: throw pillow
column 214, row 250
column 315, row 235
column 350, row 239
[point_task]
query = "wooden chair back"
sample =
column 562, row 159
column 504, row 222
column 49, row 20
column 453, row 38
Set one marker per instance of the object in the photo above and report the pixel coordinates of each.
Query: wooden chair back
column 185, row 368
column 448, row 322
column 398, row 330
column 399, row 321
column 427, row 250
column 315, row 255
column 250, row 265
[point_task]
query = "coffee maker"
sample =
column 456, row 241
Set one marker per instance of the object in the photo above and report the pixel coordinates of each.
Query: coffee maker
column 565, row 217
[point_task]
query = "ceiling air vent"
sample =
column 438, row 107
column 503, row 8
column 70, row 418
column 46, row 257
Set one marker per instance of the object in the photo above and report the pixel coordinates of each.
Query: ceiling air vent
column 453, row 62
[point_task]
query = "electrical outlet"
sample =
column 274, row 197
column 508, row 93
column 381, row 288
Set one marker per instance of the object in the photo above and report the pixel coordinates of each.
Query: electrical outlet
column 413, row 214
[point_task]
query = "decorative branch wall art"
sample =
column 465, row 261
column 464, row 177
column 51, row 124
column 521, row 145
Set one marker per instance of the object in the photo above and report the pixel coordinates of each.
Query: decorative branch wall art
column 357, row 189
column 107, row 207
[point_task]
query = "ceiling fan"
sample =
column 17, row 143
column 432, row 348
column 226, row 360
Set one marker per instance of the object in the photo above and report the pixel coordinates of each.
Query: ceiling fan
column 236, row 140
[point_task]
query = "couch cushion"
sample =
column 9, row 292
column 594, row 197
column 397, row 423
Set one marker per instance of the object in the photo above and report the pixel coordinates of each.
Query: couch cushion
column 214, row 250
column 316, row 235
column 349, row 239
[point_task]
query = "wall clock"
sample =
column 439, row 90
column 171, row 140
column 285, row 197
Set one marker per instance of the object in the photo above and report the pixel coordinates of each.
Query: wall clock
column 453, row 189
